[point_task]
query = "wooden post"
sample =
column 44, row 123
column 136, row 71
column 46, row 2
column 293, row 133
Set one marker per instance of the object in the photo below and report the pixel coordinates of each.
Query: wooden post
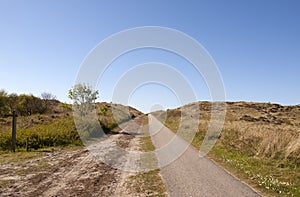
column 26, row 144
column 14, row 131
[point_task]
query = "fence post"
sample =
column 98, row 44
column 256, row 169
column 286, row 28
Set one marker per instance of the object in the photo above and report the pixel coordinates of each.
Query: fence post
column 26, row 144
column 14, row 131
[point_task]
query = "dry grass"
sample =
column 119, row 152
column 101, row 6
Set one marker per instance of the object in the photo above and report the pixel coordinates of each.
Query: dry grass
column 147, row 184
column 272, row 130
column 265, row 135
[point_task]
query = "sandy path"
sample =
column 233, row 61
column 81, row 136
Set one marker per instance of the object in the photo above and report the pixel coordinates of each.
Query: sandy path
column 67, row 173
column 72, row 172
column 191, row 175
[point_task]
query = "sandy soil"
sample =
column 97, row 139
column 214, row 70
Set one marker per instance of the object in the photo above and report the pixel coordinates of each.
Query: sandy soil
column 66, row 172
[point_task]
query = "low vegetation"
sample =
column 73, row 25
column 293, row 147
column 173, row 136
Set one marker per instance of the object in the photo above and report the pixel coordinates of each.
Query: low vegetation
column 58, row 133
column 25, row 105
column 40, row 123
column 259, row 142
column 111, row 115
column 54, row 125
column 147, row 183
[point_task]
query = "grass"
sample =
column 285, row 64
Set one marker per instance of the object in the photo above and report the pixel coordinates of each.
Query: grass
column 146, row 144
column 259, row 143
column 145, row 141
column 19, row 157
column 23, row 157
column 148, row 183
column 58, row 128
column 4, row 183
column 263, row 174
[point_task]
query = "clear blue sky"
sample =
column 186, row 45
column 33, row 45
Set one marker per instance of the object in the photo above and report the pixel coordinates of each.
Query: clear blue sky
column 256, row 45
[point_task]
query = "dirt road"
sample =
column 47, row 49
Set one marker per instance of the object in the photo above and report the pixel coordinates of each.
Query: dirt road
column 191, row 175
column 66, row 172
column 61, row 173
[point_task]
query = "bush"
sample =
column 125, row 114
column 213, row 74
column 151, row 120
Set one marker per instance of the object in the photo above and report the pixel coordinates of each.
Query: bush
column 60, row 133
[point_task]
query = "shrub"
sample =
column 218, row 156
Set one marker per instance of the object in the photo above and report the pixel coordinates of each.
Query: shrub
column 59, row 133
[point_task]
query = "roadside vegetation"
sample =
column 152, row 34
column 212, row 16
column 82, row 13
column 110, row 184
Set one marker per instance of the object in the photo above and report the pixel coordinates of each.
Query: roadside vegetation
column 147, row 183
column 46, row 122
column 42, row 122
column 260, row 143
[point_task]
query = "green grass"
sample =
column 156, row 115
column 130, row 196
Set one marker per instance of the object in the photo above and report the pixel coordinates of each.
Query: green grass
column 269, row 176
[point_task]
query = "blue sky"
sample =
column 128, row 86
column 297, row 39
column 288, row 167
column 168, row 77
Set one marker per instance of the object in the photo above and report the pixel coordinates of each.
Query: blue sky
column 256, row 45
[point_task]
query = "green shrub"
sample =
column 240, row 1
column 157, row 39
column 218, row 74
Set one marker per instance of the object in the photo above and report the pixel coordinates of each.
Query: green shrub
column 59, row 133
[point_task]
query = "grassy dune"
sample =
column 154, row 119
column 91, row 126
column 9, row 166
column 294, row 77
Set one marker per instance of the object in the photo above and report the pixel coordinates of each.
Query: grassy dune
column 57, row 128
column 259, row 143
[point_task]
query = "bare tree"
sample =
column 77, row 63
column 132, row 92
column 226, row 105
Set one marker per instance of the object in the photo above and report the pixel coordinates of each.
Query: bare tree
column 48, row 96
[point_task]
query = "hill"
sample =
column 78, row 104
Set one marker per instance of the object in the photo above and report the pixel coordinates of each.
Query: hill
column 260, row 142
column 55, row 125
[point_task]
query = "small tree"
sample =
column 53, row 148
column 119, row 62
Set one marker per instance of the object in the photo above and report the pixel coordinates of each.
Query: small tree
column 83, row 97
